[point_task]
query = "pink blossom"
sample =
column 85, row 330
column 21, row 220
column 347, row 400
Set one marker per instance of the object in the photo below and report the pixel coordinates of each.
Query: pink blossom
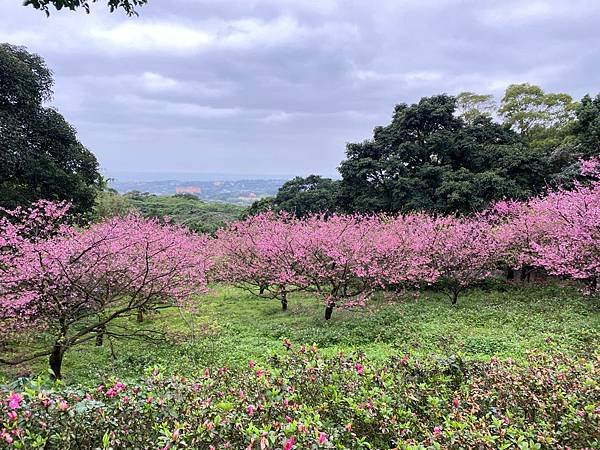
column 12, row 415
column 7, row 437
column 359, row 368
column 14, row 401
column 250, row 409
column 322, row 438
column 437, row 431
column 289, row 443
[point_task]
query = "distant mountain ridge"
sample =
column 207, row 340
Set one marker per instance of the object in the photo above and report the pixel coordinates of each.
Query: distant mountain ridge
column 239, row 192
column 129, row 176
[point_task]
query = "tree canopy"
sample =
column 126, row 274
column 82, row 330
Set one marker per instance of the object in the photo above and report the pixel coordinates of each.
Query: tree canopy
column 40, row 155
column 126, row 5
column 429, row 159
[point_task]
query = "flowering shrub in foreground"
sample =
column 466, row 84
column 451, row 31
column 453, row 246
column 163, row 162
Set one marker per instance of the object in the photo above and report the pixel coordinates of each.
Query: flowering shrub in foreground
column 301, row 400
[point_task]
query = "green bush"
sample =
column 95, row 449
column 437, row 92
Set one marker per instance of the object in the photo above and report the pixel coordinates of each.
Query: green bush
column 301, row 400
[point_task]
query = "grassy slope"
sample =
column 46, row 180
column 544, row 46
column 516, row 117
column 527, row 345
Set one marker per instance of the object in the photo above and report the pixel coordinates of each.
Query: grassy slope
column 231, row 327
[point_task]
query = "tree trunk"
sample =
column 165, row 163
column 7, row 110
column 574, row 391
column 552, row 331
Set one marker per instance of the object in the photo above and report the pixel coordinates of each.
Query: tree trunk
column 594, row 284
column 56, row 359
column 454, row 298
column 140, row 315
column 526, row 273
column 284, row 302
column 328, row 312
column 510, row 274
column 261, row 289
column 100, row 335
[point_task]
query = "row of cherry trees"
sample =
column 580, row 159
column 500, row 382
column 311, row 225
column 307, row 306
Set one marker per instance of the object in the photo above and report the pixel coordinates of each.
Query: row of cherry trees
column 74, row 282
column 344, row 259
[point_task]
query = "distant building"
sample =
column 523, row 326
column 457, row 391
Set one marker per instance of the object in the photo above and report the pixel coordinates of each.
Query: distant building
column 188, row 190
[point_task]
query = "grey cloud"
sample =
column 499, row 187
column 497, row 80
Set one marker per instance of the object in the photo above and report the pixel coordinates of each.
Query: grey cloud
column 279, row 86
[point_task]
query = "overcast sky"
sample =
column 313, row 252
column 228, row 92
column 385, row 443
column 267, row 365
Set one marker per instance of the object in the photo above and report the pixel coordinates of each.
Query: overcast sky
column 279, row 86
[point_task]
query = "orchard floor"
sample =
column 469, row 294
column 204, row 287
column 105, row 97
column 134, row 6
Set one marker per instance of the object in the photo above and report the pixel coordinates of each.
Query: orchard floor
column 230, row 327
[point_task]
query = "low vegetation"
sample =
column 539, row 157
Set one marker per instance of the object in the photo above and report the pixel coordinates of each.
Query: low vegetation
column 302, row 400
column 230, row 326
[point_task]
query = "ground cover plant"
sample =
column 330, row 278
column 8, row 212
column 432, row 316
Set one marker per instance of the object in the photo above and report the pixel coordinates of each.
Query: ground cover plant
column 302, row 400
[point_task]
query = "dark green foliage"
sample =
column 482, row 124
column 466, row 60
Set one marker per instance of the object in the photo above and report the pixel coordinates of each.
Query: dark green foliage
column 586, row 130
column 304, row 196
column 259, row 206
column 187, row 209
column 429, row 159
column 40, row 156
column 127, row 5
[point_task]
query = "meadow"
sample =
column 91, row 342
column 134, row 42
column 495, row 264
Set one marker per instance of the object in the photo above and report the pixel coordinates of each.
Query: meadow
column 229, row 327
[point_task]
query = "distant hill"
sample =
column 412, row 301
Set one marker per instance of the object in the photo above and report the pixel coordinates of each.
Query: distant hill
column 239, row 192
column 187, row 209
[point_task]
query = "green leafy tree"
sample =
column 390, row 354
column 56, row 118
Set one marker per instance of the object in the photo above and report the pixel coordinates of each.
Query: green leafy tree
column 470, row 106
column 429, row 159
column 109, row 203
column 259, row 206
column 543, row 119
column 126, row 5
column 304, row 196
column 40, row 156
column 586, row 129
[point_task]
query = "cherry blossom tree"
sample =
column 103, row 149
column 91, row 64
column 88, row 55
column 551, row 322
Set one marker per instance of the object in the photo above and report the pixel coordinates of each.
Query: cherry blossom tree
column 260, row 255
column 76, row 282
column 463, row 251
column 337, row 258
column 402, row 249
column 570, row 220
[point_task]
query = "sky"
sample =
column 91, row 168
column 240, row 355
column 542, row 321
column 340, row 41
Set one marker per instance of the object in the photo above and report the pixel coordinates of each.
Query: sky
column 277, row 87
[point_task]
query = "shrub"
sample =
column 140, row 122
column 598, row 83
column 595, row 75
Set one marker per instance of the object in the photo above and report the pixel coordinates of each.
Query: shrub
column 302, row 400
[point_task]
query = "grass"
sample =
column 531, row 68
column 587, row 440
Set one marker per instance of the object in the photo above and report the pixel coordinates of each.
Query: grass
column 231, row 327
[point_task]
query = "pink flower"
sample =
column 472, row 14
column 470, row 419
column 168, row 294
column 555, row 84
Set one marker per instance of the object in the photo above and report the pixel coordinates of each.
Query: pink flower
column 175, row 435
column 359, row 368
column 250, row 409
column 12, row 415
column 7, row 438
column 437, row 430
column 322, row 438
column 14, row 401
column 119, row 387
column 260, row 373
column 251, row 363
column 111, row 393
column 63, row 405
column 289, row 443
